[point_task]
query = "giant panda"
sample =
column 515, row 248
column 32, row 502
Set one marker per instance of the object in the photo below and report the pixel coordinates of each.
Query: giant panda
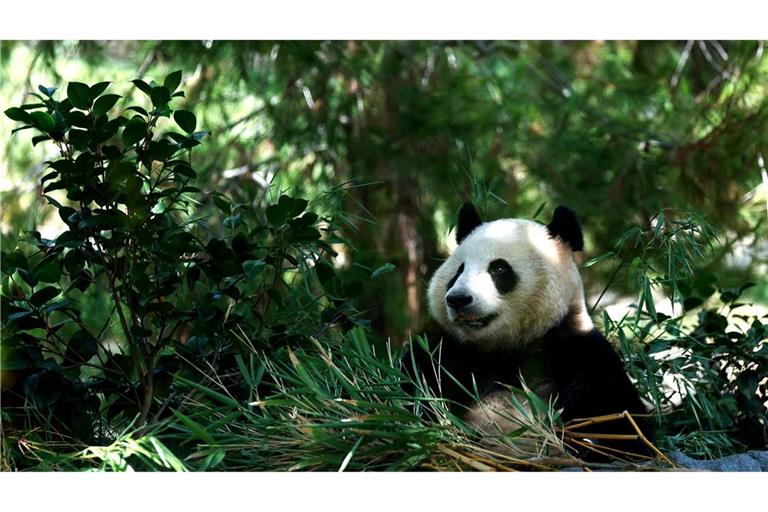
column 509, row 304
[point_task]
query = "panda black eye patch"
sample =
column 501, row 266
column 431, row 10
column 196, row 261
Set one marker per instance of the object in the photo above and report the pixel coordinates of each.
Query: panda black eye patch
column 454, row 278
column 504, row 278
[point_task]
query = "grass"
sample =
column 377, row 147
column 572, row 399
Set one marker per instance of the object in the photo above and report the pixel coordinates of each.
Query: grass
column 126, row 453
column 350, row 405
column 332, row 407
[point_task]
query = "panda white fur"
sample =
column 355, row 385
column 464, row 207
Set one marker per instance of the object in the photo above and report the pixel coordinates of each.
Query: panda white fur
column 509, row 303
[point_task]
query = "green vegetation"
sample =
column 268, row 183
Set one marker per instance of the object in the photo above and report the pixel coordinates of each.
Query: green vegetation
column 219, row 269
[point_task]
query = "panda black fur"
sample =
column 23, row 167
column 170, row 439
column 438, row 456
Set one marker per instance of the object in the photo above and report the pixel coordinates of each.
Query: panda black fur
column 509, row 302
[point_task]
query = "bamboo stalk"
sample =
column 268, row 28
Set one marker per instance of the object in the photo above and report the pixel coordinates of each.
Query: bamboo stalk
column 583, row 422
column 615, row 437
column 514, row 460
column 466, row 460
column 646, row 441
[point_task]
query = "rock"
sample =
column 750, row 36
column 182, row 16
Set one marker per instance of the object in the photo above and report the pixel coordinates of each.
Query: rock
column 751, row 461
column 761, row 458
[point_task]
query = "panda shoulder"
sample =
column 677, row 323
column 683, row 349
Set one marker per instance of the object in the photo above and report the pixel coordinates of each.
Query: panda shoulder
column 589, row 346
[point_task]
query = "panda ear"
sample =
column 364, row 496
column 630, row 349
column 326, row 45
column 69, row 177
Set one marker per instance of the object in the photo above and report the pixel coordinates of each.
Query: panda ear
column 565, row 226
column 468, row 221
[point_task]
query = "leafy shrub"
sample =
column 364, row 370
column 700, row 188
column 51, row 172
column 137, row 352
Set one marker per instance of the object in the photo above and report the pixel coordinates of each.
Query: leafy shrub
column 704, row 368
column 706, row 376
column 141, row 290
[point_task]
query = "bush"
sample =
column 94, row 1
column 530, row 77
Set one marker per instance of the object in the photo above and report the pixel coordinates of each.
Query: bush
column 143, row 289
column 701, row 369
column 704, row 376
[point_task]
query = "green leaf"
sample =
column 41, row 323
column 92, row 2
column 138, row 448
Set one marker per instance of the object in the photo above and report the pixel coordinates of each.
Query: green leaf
column 14, row 260
column 139, row 110
column 387, row 267
column 305, row 234
column 186, row 120
column 43, row 121
column 102, row 105
column 39, row 138
column 274, row 215
column 308, row 219
column 195, row 427
column 648, row 297
column 224, row 399
column 49, row 272
column 77, row 118
column 160, row 96
column 61, row 123
column 42, row 296
column 222, row 202
column 18, row 114
column 79, row 138
column 68, row 239
column 14, row 355
column 142, row 86
column 79, row 95
column 59, row 304
column 64, row 106
column 19, row 315
column 539, row 210
column 97, row 89
column 83, row 345
column 598, row 259
column 50, row 176
column 48, row 91
column 286, row 208
column 172, row 81
column 134, row 131
column 253, row 268
column 184, row 170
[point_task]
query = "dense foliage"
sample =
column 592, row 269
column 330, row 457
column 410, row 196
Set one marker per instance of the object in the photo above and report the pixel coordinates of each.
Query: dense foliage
column 150, row 323
column 702, row 367
column 178, row 293
column 618, row 130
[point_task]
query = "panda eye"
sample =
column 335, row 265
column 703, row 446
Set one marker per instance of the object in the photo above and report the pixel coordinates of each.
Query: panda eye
column 499, row 267
column 503, row 276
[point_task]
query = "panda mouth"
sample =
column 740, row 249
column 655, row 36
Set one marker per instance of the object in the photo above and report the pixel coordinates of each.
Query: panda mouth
column 475, row 322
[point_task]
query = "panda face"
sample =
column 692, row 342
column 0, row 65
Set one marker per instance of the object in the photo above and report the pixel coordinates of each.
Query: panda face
column 475, row 288
column 507, row 282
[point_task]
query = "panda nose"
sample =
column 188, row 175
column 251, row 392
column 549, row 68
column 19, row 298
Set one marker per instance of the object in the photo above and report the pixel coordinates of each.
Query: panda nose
column 458, row 301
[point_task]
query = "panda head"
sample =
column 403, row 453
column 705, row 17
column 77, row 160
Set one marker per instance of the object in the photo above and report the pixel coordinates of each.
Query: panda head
column 511, row 280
